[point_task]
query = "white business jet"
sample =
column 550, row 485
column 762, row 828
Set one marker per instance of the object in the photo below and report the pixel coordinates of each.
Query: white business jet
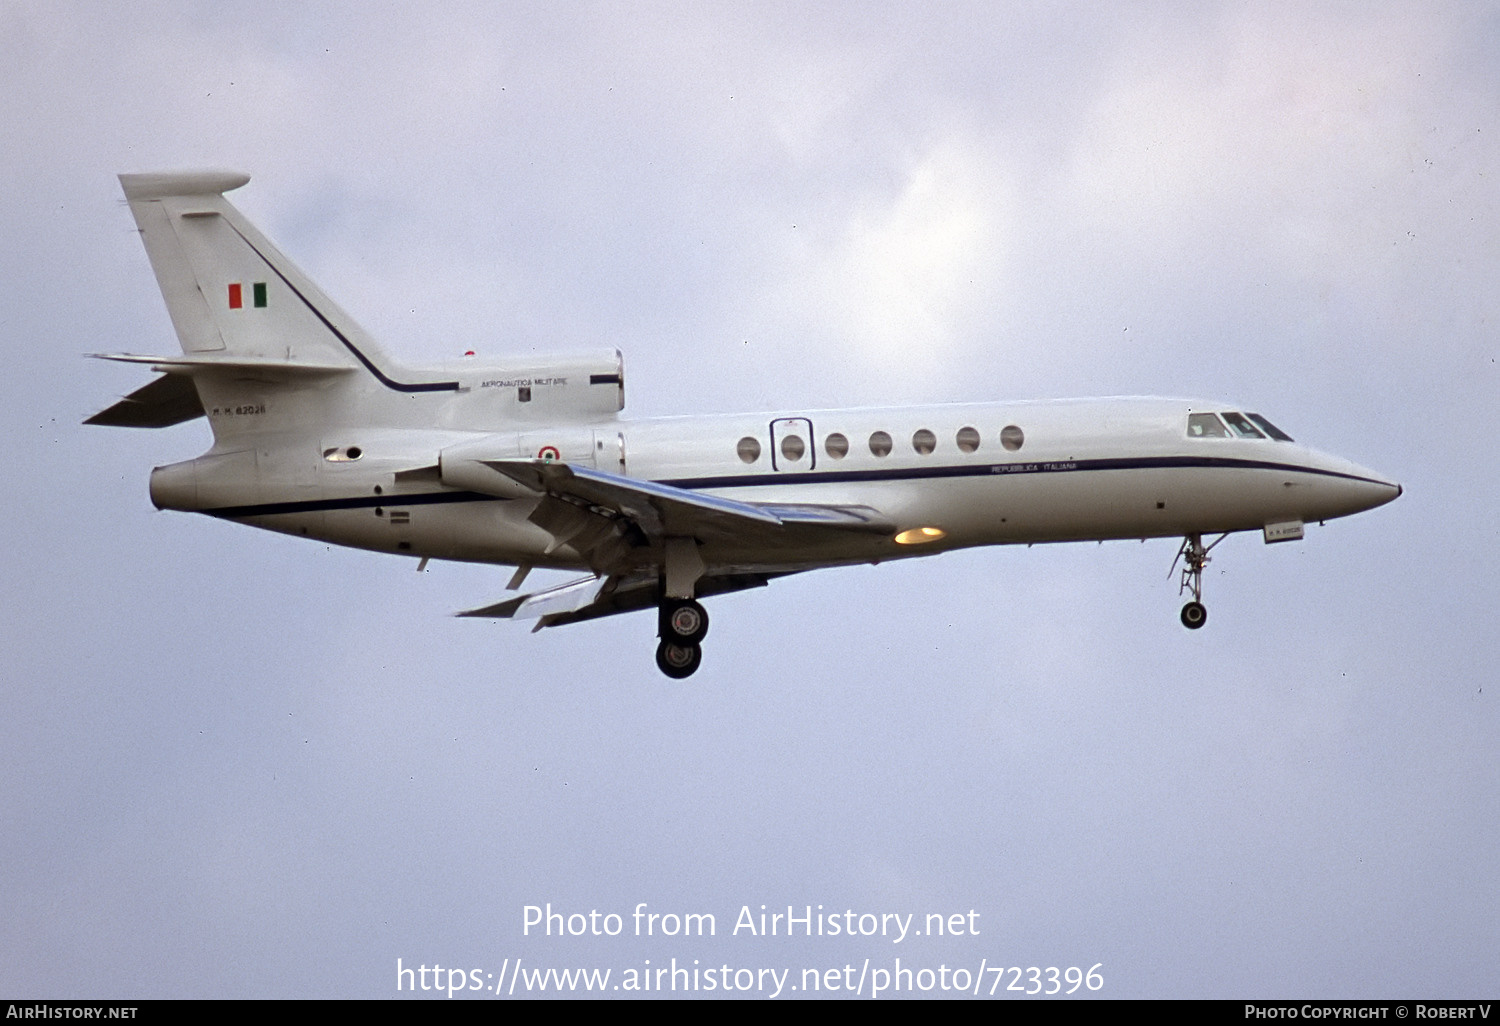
column 318, row 433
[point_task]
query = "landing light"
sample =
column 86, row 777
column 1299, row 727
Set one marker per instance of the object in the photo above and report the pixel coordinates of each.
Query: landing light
column 920, row 535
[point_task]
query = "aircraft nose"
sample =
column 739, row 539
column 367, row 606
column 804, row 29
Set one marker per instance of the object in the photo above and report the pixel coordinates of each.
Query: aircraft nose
column 1349, row 488
column 1379, row 492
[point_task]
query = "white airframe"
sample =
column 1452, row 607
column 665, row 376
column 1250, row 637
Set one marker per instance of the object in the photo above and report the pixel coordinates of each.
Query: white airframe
column 317, row 432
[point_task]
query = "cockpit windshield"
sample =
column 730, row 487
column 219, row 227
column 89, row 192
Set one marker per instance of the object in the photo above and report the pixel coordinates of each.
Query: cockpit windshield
column 1240, row 425
column 1205, row 425
column 1270, row 429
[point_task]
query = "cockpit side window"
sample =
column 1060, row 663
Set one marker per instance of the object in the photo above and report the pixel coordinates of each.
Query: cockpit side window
column 1242, row 427
column 1205, row 425
column 1270, row 429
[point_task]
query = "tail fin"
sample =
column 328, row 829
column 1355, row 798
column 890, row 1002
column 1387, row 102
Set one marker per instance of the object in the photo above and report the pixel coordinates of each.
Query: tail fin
column 264, row 348
column 229, row 291
column 267, row 352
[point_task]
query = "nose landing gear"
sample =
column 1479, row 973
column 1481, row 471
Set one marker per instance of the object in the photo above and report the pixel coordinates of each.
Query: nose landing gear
column 1194, row 557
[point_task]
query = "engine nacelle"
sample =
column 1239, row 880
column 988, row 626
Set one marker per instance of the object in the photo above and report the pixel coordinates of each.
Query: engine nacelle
column 495, row 396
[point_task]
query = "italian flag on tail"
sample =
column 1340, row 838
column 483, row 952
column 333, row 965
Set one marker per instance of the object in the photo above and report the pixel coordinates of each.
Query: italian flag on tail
column 237, row 294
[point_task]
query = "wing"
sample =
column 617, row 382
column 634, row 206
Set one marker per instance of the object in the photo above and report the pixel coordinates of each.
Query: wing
column 607, row 518
column 662, row 510
column 591, row 597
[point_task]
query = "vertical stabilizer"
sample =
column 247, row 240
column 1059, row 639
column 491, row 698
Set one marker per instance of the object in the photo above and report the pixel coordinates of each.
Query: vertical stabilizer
column 266, row 350
column 228, row 290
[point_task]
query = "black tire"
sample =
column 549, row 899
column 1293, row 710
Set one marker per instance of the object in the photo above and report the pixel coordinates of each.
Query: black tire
column 678, row 661
column 684, row 621
column 1194, row 615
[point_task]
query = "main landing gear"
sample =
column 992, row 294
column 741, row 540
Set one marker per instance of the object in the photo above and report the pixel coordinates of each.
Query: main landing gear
column 681, row 625
column 1194, row 558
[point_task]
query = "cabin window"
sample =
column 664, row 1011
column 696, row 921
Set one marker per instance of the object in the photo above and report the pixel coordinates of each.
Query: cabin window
column 749, row 449
column 924, row 442
column 1269, row 428
column 968, row 439
column 836, row 446
column 1242, row 427
column 880, row 443
column 1012, row 437
column 793, row 448
column 1205, row 425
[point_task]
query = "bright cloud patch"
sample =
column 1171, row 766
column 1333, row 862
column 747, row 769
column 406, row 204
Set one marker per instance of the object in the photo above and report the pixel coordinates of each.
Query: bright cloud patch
column 900, row 277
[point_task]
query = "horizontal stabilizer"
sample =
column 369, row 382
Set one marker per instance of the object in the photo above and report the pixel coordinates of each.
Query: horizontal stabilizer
column 203, row 363
column 164, row 184
column 170, row 399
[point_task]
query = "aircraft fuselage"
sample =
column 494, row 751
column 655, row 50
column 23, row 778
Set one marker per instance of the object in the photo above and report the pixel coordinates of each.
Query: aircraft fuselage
column 1050, row 471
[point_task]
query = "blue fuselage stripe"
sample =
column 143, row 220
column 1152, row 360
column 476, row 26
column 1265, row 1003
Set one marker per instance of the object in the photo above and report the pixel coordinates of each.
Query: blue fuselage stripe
column 388, row 382
column 814, row 477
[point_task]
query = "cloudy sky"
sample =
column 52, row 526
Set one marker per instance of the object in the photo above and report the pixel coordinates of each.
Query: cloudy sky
column 236, row 764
